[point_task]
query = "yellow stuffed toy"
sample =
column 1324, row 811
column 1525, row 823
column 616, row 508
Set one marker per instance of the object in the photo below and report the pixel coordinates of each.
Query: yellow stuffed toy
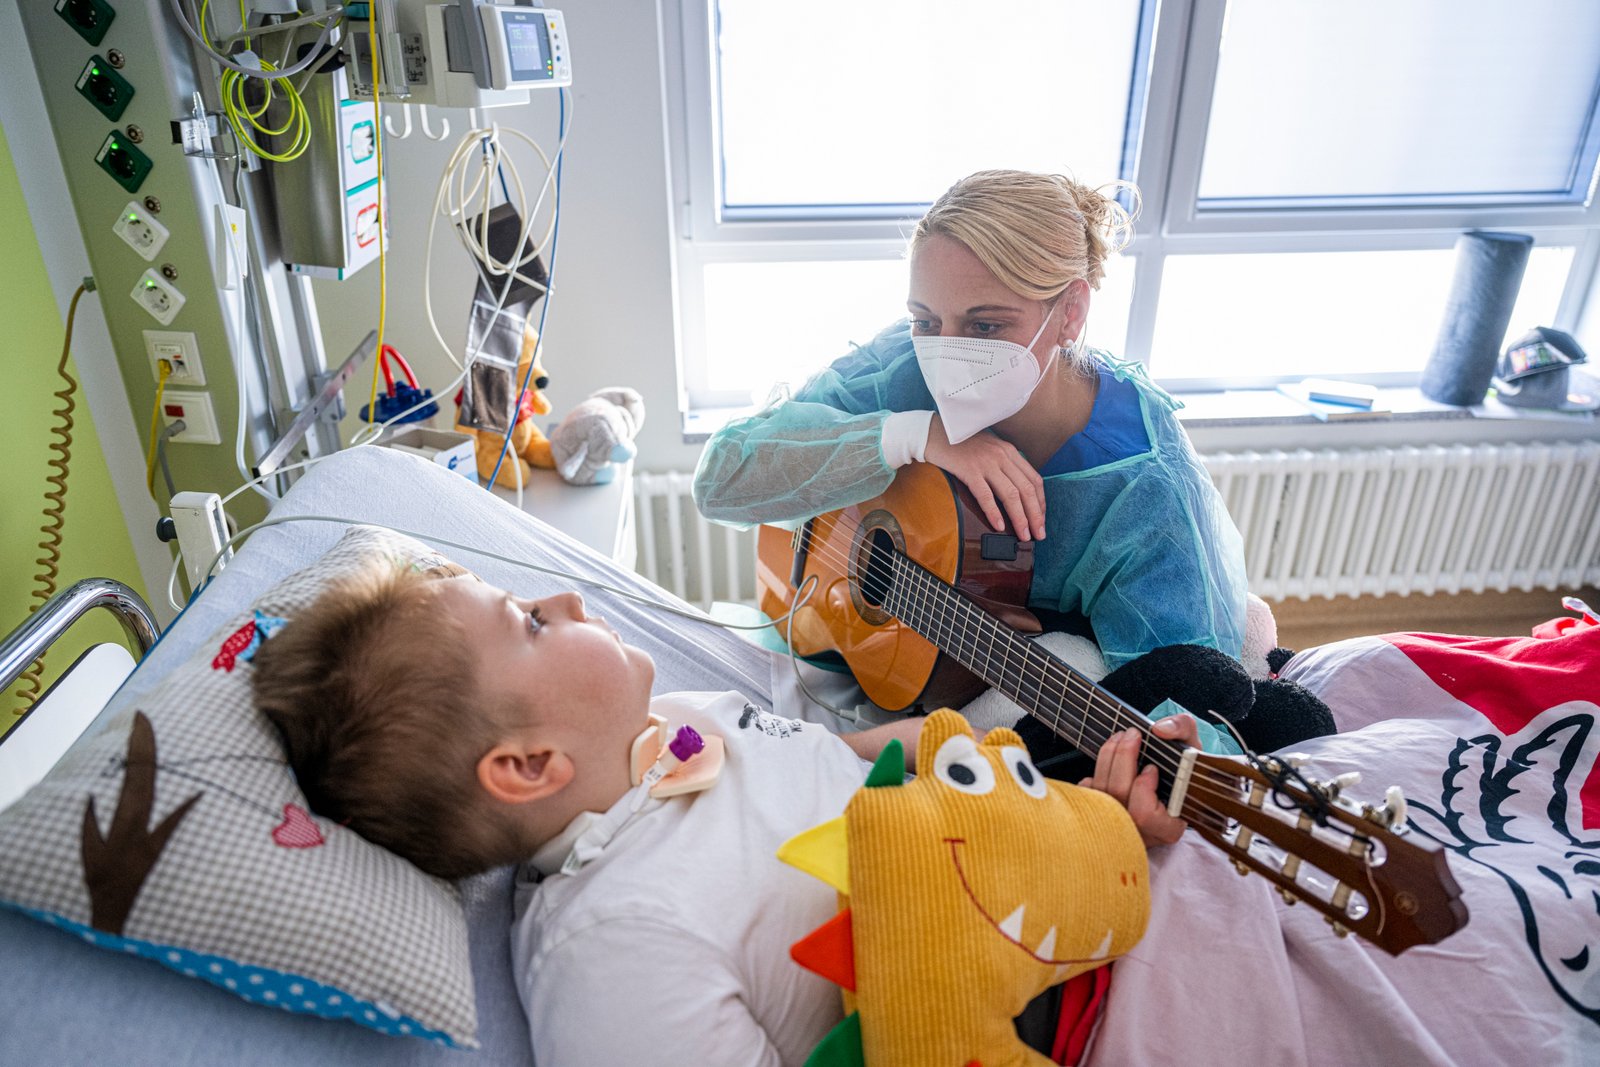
column 529, row 446
column 966, row 892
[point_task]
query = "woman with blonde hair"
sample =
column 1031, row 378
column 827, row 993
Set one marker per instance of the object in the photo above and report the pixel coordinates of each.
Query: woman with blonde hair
column 989, row 379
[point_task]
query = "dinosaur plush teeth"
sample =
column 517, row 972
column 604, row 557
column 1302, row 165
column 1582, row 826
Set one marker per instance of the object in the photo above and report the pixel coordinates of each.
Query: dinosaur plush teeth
column 1105, row 948
column 1012, row 925
column 1047, row 947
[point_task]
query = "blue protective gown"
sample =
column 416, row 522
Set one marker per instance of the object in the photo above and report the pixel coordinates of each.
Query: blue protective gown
column 1137, row 537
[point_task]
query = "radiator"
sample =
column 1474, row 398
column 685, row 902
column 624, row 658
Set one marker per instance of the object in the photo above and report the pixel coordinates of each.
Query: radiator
column 1437, row 519
column 700, row 561
column 1316, row 523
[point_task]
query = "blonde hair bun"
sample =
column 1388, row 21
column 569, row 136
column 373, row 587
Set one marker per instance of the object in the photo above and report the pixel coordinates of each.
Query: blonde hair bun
column 1037, row 233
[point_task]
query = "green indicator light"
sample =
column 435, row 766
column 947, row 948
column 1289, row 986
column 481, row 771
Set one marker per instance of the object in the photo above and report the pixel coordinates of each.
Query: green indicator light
column 133, row 218
column 94, row 70
column 115, row 145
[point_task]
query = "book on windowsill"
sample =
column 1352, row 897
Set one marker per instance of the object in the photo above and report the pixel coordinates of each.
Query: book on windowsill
column 1312, row 393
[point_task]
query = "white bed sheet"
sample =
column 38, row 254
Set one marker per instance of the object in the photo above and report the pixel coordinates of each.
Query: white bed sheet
column 68, row 1003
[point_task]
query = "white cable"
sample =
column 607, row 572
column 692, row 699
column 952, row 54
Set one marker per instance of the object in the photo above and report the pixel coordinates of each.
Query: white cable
column 477, row 200
column 316, row 55
column 275, row 27
column 435, row 539
column 370, row 433
column 373, row 431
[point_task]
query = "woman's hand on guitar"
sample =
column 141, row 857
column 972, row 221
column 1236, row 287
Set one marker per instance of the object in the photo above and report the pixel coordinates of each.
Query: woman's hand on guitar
column 1004, row 483
column 1117, row 772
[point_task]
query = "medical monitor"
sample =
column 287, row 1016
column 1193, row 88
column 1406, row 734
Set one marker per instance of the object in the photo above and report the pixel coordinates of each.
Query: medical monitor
column 527, row 47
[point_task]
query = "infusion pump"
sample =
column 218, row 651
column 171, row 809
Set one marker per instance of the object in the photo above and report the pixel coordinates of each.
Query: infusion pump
column 463, row 53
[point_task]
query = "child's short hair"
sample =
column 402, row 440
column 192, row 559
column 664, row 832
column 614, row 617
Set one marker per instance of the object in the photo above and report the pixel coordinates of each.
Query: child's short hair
column 373, row 694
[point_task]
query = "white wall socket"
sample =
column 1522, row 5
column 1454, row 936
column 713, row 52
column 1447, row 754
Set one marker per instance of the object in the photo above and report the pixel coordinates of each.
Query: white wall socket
column 179, row 349
column 141, row 231
column 199, row 419
column 158, row 296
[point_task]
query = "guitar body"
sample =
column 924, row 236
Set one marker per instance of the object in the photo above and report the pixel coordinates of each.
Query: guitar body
column 927, row 516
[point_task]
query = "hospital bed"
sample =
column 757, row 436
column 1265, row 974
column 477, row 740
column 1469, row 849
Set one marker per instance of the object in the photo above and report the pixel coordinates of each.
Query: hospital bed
column 1227, row 973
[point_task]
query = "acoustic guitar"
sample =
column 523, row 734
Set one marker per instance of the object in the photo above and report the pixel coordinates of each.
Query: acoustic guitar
column 924, row 602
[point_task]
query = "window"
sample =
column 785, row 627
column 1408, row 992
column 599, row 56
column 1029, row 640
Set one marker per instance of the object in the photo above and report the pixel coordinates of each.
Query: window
column 1306, row 168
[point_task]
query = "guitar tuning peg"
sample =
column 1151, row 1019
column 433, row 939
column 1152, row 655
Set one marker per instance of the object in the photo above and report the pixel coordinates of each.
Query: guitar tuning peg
column 1342, row 782
column 1242, row 867
column 1294, row 759
column 1394, row 805
column 1339, row 928
column 1288, row 897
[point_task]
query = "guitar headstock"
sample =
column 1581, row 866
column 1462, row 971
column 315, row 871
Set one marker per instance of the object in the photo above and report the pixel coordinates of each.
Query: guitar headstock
column 1347, row 860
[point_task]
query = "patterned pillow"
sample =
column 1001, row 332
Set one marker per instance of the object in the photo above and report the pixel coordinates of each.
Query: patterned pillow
column 177, row 833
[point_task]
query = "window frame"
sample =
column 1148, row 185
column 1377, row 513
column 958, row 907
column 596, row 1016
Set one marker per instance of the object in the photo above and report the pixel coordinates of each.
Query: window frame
column 1168, row 120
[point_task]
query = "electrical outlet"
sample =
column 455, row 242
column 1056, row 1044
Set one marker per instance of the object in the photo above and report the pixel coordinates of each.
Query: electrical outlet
column 119, row 158
column 179, row 349
column 91, row 18
column 199, row 419
column 102, row 86
column 141, row 231
column 158, row 296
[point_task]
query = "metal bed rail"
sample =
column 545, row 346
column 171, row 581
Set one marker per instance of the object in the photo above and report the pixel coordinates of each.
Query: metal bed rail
column 31, row 640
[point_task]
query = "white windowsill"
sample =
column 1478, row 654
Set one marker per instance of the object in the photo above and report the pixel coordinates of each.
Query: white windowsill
column 1265, row 418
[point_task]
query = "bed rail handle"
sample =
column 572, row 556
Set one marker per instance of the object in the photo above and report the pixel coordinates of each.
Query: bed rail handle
column 30, row 640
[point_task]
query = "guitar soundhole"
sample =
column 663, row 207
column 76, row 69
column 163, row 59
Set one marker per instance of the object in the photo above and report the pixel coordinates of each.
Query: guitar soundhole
column 877, row 541
column 877, row 570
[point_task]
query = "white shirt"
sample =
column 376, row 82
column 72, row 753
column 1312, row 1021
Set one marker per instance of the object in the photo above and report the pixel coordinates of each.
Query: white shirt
column 672, row 945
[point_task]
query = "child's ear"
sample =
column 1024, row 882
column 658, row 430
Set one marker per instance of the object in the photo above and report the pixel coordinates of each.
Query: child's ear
column 518, row 773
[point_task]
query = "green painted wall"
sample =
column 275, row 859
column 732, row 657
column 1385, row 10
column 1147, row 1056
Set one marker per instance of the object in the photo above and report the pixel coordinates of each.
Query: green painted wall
column 96, row 538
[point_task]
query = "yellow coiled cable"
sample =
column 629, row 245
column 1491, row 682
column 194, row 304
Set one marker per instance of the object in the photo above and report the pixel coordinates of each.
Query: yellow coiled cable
column 55, row 507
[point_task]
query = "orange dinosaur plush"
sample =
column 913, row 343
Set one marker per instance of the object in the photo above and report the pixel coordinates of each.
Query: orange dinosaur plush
column 966, row 892
column 529, row 445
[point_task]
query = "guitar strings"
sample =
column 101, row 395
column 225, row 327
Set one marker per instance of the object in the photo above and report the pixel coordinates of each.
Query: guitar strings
column 1047, row 670
column 1039, row 666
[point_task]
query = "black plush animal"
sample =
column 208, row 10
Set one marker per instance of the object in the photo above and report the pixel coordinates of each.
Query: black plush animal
column 1268, row 713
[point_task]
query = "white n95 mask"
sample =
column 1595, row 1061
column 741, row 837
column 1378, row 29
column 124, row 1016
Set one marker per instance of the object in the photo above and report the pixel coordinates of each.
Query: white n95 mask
column 979, row 381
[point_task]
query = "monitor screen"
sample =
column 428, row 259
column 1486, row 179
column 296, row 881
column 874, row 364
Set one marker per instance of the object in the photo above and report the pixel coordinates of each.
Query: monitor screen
column 528, row 42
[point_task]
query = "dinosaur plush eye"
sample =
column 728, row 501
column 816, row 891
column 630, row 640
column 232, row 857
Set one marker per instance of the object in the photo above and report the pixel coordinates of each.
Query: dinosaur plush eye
column 1023, row 770
column 959, row 765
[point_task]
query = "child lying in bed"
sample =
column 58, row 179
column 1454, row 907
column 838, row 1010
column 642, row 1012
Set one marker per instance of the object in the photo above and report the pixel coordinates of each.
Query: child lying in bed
column 465, row 728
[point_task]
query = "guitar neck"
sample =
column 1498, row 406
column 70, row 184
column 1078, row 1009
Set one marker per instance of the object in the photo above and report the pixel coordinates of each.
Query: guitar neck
column 1078, row 711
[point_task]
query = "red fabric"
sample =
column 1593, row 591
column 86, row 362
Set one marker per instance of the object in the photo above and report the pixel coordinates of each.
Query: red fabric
column 1560, row 627
column 1509, row 680
column 1081, row 999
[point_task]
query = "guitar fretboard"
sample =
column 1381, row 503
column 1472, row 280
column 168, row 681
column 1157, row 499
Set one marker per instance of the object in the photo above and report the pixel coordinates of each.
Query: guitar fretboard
column 1065, row 700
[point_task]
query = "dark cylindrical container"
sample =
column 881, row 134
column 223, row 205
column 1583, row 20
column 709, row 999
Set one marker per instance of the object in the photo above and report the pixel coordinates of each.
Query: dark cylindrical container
column 1488, row 274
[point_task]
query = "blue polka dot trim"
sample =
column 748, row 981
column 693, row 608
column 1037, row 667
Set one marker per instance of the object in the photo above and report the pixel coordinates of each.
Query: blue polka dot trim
column 259, row 985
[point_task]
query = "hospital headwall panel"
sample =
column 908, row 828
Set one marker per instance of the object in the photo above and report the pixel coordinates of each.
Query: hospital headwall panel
column 117, row 77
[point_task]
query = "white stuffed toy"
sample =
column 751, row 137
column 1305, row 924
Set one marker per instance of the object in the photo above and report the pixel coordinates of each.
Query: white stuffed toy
column 597, row 435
